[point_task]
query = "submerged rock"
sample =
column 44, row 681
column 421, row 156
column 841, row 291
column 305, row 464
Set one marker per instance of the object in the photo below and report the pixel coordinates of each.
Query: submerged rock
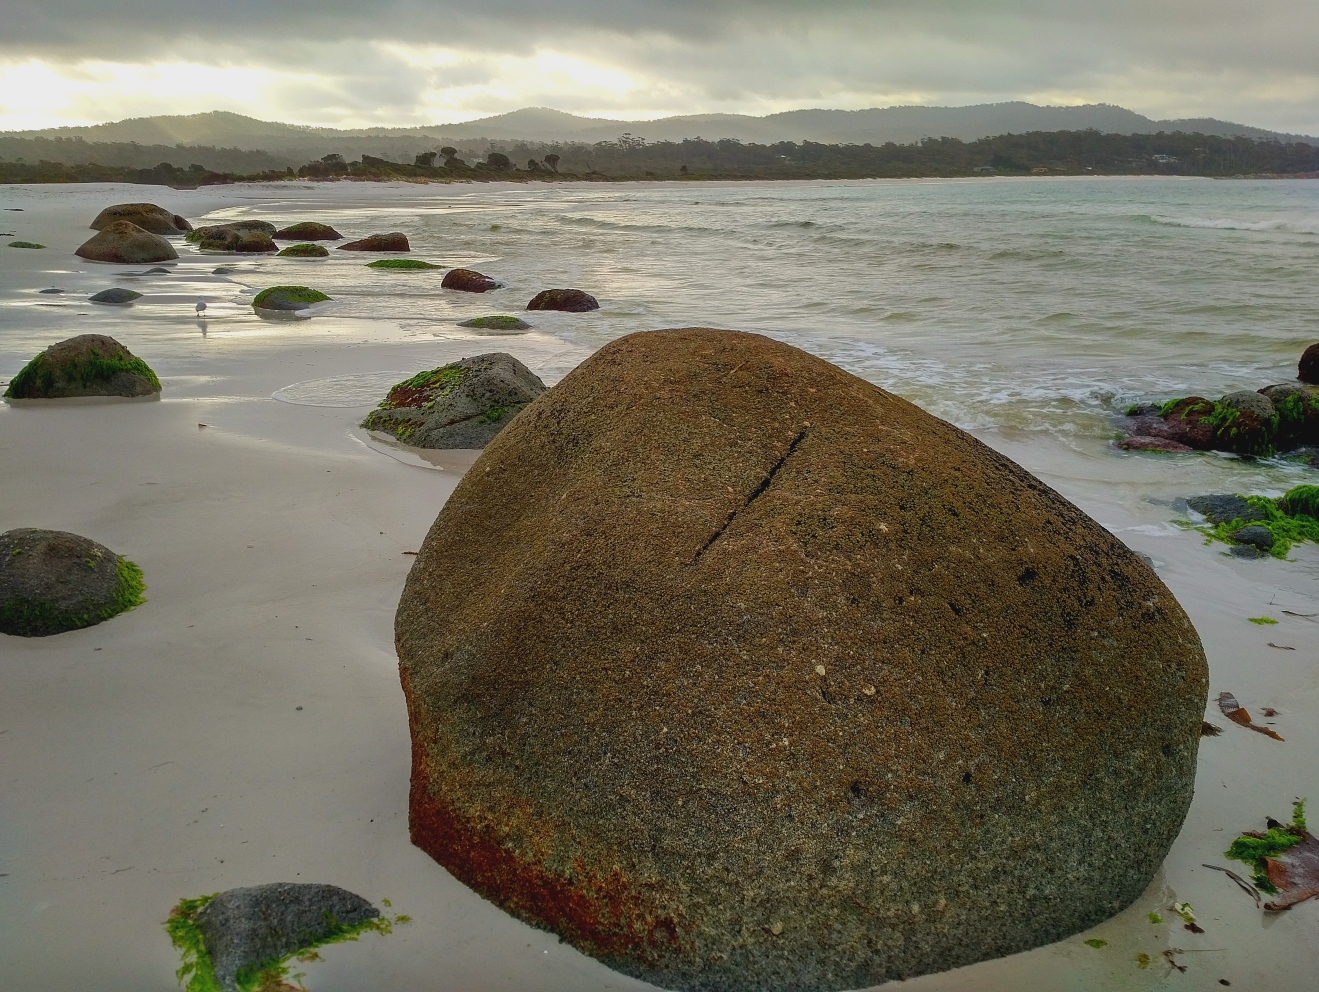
column 147, row 216
column 115, row 296
column 571, row 300
column 460, row 405
column 1137, row 442
column 307, row 231
column 379, row 242
column 88, row 365
column 1256, row 536
column 497, row 322
column 247, row 236
column 52, row 581
column 247, row 929
column 1223, row 508
column 738, row 672
column 124, row 241
column 288, row 298
column 305, row 251
column 1297, row 405
column 468, row 280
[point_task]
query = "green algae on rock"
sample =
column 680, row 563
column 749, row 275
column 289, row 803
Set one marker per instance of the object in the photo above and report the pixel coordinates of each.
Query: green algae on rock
column 148, row 216
column 25, row 244
column 460, row 405
column 287, row 298
column 400, row 263
column 1291, row 519
column 304, row 251
column 497, row 322
column 307, row 231
column 764, row 679
column 52, row 581
column 88, row 365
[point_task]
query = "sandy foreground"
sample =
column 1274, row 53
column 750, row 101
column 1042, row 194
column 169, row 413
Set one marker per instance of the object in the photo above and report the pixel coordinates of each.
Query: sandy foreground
column 246, row 724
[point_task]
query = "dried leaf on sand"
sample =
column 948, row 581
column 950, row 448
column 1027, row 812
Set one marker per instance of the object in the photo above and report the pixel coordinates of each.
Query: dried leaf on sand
column 1234, row 711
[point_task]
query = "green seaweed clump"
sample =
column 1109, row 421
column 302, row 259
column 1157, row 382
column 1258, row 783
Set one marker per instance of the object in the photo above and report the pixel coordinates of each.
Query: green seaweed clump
column 1291, row 519
column 25, row 244
column 497, row 322
column 400, row 263
column 38, row 377
column 304, row 251
column 186, row 935
column 25, row 618
column 1254, row 848
column 494, row 415
column 297, row 294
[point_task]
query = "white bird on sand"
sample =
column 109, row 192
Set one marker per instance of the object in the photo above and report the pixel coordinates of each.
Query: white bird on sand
column 201, row 308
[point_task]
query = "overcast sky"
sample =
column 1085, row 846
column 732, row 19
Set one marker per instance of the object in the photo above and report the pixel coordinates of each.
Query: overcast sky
column 352, row 63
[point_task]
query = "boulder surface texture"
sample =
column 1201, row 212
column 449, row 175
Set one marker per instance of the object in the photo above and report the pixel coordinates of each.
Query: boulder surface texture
column 52, row 581
column 460, row 405
column 379, row 242
column 124, row 241
column 246, row 928
column 741, row 673
column 147, row 216
column 88, row 365
column 571, row 300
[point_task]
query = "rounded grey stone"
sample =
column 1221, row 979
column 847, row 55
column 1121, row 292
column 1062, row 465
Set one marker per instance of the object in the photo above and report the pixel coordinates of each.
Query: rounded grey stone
column 1256, row 536
column 1249, row 401
column 115, row 296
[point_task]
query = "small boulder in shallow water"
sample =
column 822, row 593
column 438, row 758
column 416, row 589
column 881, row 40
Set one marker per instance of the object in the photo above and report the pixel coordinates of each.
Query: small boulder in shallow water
column 497, row 322
column 460, row 405
column 570, row 300
column 379, row 242
column 115, row 296
column 1307, row 370
column 304, row 251
column 147, row 216
column 123, row 241
column 307, row 231
column 288, row 298
column 1256, row 536
column 468, row 280
column 88, row 365
column 1249, row 401
column 52, row 581
column 1223, row 508
column 738, row 672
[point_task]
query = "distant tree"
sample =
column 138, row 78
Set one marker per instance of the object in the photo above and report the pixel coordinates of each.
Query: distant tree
column 533, row 165
column 498, row 160
column 334, row 158
column 683, row 170
column 426, row 160
column 450, row 155
column 552, row 161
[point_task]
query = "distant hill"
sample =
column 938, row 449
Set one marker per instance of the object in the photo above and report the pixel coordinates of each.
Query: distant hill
column 295, row 143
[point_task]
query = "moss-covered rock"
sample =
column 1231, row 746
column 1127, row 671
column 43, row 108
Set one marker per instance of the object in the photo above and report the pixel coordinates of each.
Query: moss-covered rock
column 304, row 251
column 88, row 365
column 1291, row 519
column 1243, row 423
column 252, row 236
column 570, row 300
column 468, row 281
column 148, row 216
column 115, row 296
column 1297, row 406
column 401, row 264
column 52, row 581
column 497, row 322
column 25, row 244
column 1307, row 369
column 460, row 405
column 307, row 231
column 394, row 241
column 123, row 241
column 288, row 298
column 738, row 672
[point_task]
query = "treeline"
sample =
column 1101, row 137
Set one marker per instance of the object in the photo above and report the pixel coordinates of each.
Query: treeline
column 131, row 155
column 1055, row 152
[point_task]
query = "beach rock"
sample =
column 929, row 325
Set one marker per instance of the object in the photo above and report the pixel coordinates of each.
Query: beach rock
column 287, row 298
column 223, row 270
column 124, row 241
column 147, row 216
column 1307, row 369
column 1138, row 443
column 307, row 231
column 304, row 251
column 52, row 581
column 262, row 924
column 468, row 280
column 228, row 237
column 158, row 270
column 88, row 365
column 571, row 300
column 1297, row 405
column 50, row 292
column 497, row 322
column 115, row 296
column 1256, row 536
column 379, row 242
column 1247, row 551
column 34, row 246
column 1223, row 508
column 740, row 673
column 1249, row 401
column 460, row 405
column 255, row 243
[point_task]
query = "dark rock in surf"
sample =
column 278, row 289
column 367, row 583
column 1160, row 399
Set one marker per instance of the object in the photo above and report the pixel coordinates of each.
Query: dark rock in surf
column 52, row 581
column 379, row 242
column 1256, row 536
column 1223, row 508
column 497, row 323
column 468, row 280
column 117, row 297
column 1137, row 442
column 307, row 231
column 765, row 679
column 87, row 365
column 570, row 300
column 1307, row 370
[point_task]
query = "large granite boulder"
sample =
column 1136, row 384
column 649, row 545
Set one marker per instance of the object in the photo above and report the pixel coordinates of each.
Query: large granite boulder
column 307, row 231
column 124, row 241
column 52, row 581
column 88, row 365
column 741, row 673
column 468, row 281
column 147, row 216
column 288, row 298
column 570, row 300
column 460, row 405
column 379, row 242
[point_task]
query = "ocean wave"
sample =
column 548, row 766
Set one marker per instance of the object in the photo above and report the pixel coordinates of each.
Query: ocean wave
column 1282, row 225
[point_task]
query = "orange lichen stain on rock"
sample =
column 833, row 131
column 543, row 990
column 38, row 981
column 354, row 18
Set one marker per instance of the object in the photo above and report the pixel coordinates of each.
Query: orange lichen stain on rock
column 603, row 915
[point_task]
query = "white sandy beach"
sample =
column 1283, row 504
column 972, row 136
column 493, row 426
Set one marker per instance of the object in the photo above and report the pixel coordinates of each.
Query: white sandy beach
column 246, row 723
